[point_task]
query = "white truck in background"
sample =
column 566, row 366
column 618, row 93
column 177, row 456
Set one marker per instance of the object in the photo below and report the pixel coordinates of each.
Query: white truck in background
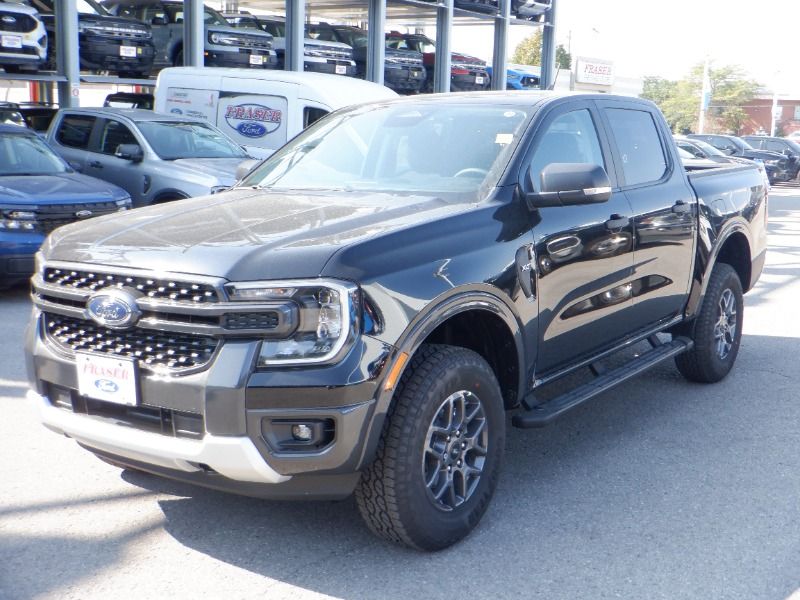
column 260, row 110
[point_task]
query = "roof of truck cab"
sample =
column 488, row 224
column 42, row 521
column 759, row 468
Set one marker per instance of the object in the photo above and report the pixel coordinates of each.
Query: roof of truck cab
column 335, row 90
column 137, row 115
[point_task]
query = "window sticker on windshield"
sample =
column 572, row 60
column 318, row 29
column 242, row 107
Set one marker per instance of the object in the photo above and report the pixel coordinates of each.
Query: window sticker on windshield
column 504, row 138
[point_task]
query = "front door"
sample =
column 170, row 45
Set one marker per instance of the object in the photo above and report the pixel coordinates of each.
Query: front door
column 583, row 253
column 104, row 164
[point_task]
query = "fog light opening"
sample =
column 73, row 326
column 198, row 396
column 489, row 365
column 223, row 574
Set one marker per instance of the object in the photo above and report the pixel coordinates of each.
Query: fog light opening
column 302, row 432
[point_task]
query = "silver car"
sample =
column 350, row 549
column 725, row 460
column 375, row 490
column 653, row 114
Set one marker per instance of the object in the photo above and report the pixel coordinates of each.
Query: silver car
column 155, row 157
column 23, row 39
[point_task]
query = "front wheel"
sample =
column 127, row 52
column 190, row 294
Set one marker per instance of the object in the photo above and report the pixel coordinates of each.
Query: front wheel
column 718, row 330
column 439, row 456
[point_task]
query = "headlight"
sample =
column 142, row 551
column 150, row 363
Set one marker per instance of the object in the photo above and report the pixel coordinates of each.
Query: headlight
column 512, row 76
column 123, row 204
column 773, row 162
column 326, row 314
column 18, row 220
column 224, row 39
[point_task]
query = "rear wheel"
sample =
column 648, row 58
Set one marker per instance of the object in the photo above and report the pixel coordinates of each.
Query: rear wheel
column 439, row 456
column 718, row 330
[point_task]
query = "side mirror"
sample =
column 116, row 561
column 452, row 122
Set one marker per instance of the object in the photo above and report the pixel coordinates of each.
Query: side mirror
column 131, row 152
column 158, row 21
column 244, row 167
column 569, row 184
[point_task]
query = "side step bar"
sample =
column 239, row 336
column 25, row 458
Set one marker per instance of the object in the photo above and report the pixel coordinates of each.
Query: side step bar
column 540, row 415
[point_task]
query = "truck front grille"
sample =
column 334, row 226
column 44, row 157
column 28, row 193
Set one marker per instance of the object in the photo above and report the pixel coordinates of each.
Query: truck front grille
column 159, row 289
column 16, row 22
column 154, row 349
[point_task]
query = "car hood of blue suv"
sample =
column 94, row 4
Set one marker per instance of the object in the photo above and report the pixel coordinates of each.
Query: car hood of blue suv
column 59, row 188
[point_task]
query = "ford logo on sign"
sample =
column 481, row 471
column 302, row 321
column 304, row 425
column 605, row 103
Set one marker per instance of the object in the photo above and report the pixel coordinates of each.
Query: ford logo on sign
column 176, row 111
column 253, row 120
column 106, row 385
column 115, row 309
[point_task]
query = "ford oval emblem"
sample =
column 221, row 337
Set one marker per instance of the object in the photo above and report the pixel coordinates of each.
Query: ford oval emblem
column 115, row 309
column 106, row 385
column 176, row 111
column 253, row 130
column 84, row 214
column 253, row 120
column 9, row 19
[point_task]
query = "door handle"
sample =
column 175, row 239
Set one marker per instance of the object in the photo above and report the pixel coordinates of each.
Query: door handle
column 617, row 221
column 96, row 164
column 681, row 207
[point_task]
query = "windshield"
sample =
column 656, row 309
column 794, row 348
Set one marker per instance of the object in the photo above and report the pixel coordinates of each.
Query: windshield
column 420, row 148
column 275, row 28
column 742, row 144
column 28, row 155
column 354, row 38
column 85, row 7
column 418, row 44
column 212, row 17
column 174, row 139
column 708, row 148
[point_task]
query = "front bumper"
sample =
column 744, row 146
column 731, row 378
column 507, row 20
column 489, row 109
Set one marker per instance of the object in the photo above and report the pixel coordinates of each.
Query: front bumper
column 33, row 50
column 470, row 82
column 235, row 419
column 331, row 66
column 404, row 78
column 103, row 53
column 16, row 254
column 241, row 58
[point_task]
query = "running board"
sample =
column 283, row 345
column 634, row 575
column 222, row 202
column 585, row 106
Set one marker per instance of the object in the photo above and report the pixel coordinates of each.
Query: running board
column 540, row 415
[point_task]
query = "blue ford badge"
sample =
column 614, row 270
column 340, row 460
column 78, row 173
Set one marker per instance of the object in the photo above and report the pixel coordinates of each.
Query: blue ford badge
column 115, row 309
column 106, row 385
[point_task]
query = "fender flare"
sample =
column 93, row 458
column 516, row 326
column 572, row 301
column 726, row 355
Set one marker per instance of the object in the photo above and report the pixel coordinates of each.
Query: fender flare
column 484, row 298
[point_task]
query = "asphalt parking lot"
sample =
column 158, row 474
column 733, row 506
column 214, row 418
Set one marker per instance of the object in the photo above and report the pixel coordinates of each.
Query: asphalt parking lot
column 660, row 489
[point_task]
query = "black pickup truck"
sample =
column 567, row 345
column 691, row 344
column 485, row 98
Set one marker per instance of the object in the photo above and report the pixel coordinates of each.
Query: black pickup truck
column 359, row 312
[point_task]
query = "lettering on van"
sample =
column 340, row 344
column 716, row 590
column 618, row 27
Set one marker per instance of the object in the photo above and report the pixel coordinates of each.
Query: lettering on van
column 253, row 120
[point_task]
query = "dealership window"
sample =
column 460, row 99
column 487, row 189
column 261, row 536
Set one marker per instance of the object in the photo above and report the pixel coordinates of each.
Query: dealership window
column 75, row 131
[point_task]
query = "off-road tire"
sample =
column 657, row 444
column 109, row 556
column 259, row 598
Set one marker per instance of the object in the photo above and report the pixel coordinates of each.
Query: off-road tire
column 392, row 494
column 704, row 362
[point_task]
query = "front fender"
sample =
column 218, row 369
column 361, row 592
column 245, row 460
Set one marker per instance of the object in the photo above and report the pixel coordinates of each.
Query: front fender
column 481, row 297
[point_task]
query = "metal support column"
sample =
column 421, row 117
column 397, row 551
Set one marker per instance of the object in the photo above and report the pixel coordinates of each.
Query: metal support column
column 376, row 46
column 500, row 56
column 444, row 26
column 193, row 33
column 295, row 35
column 66, row 15
column 547, row 79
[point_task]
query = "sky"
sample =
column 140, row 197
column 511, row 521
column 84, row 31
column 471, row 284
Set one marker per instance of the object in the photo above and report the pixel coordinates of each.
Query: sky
column 667, row 37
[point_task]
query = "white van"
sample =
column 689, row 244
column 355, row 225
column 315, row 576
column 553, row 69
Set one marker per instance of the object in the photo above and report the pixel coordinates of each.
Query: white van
column 259, row 109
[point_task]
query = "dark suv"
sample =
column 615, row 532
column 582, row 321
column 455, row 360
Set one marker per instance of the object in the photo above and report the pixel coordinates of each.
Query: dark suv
column 106, row 43
column 403, row 70
column 319, row 57
column 467, row 73
column 778, row 166
column 789, row 148
column 224, row 45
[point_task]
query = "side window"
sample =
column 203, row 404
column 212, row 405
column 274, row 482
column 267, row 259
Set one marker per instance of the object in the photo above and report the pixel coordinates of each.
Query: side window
column 774, row 146
column 75, row 130
column 570, row 138
column 693, row 150
column 312, row 114
column 114, row 134
column 639, row 145
column 149, row 13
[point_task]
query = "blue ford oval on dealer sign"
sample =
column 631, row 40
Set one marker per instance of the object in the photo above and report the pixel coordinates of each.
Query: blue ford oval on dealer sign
column 106, row 385
column 253, row 120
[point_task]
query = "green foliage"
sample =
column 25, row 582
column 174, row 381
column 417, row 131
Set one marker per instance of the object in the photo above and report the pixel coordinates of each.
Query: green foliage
column 529, row 52
column 563, row 58
column 680, row 100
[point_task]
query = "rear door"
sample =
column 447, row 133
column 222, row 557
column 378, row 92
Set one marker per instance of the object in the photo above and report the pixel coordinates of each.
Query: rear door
column 664, row 208
column 583, row 254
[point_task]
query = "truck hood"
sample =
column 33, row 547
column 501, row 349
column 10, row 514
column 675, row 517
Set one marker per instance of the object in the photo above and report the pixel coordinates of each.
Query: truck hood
column 243, row 234
column 57, row 189
column 223, row 169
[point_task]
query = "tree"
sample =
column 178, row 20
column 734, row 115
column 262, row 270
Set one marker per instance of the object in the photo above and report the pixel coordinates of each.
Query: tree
column 529, row 52
column 680, row 100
